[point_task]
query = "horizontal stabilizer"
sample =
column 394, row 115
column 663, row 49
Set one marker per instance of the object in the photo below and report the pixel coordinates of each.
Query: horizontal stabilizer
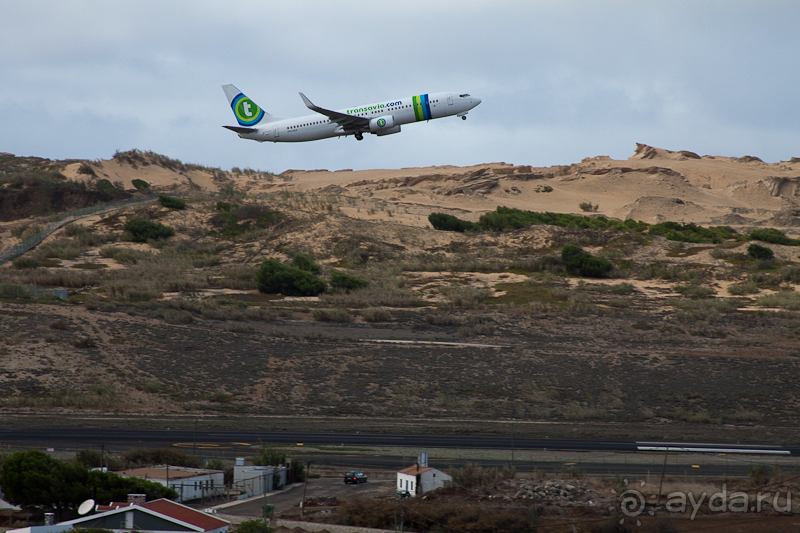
column 241, row 129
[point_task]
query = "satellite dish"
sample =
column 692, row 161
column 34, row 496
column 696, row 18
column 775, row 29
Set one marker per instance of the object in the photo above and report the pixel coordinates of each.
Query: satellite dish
column 86, row 507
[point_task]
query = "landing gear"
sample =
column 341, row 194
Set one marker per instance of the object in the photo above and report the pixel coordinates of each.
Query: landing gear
column 359, row 136
column 463, row 117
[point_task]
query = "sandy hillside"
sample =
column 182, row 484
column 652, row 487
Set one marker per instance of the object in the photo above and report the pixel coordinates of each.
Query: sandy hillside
column 652, row 185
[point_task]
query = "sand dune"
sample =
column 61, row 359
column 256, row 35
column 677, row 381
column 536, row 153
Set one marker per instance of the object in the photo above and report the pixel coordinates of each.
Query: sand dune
column 652, row 185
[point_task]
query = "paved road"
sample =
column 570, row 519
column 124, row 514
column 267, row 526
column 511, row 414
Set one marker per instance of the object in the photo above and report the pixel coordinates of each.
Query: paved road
column 287, row 501
column 232, row 442
column 77, row 438
column 238, row 444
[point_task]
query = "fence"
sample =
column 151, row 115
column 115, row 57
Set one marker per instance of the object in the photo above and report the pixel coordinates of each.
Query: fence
column 65, row 219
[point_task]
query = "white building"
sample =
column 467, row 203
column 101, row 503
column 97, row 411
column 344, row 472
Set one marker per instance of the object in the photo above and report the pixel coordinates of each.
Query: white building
column 189, row 483
column 418, row 480
column 254, row 480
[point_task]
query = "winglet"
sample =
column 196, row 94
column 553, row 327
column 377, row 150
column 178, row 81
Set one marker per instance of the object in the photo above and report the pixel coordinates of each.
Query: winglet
column 308, row 103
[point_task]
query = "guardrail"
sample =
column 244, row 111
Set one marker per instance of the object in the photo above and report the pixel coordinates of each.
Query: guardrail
column 65, row 219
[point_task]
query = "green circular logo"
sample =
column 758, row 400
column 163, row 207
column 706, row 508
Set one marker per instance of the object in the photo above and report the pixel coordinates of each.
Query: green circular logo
column 246, row 111
column 381, row 122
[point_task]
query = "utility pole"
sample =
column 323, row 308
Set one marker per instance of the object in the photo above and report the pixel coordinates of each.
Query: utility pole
column 305, row 485
column 402, row 514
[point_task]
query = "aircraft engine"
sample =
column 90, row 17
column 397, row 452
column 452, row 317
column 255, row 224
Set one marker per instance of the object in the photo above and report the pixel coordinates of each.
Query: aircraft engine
column 388, row 131
column 382, row 124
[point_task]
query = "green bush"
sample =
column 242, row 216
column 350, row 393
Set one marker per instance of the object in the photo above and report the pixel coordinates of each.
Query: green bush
column 304, row 262
column 444, row 222
column 151, row 456
column 577, row 261
column 340, row 280
column 170, row 202
column 142, row 230
column 276, row 278
column 232, row 220
column 140, row 185
column 756, row 251
column 105, row 186
column 675, row 231
column 85, row 168
column 773, row 236
column 507, row 218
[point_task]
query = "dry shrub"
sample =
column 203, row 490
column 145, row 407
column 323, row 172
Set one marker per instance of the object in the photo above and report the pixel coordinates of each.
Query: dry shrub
column 52, row 277
column 13, row 340
column 173, row 316
column 534, row 393
column 465, row 296
column 693, row 311
column 224, row 310
column 541, row 263
column 576, row 411
column 239, row 277
column 432, row 515
column 786, row 299
column 580, row 304
column 59, row 324
column 743, row 415
column 473, row 477
column 444, row 318
column 760, row 475
column 239, row 327
column 476, row 330
column 374, row 295
column 332, row 315
column 26, row 231
column 376, row 314
column 83, row 342
column 133, row 293
column 260, row 313
column 126, row 256
column 63, row 248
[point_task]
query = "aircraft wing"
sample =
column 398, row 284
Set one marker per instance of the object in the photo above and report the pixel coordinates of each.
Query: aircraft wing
column 343, row 119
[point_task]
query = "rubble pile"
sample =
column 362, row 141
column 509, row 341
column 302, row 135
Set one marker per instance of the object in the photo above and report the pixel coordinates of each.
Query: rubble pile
column 555, row 490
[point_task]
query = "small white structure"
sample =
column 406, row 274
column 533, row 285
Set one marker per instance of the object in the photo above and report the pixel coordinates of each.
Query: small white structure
column 189, row 483
column 417, row 480
column 254, row 480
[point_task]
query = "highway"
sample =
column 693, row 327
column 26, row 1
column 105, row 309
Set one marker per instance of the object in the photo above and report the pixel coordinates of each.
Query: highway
column 351, row 450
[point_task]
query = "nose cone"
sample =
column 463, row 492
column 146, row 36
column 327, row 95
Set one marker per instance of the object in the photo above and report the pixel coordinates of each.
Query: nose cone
column 475, row 101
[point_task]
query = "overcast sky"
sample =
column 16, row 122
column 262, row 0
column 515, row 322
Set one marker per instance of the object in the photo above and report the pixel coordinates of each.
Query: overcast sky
column 560, row 80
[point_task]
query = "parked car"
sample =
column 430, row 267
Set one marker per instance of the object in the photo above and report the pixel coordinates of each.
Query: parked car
column 355, row 477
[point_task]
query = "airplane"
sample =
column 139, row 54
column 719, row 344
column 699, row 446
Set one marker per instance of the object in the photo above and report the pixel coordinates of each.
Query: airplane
column 382, row 118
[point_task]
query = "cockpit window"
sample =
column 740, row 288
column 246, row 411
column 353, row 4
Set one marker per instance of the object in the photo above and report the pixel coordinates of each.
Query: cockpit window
column 464, row 95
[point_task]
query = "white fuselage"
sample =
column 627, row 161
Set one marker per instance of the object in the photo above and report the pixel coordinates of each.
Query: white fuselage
column 403, row 111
